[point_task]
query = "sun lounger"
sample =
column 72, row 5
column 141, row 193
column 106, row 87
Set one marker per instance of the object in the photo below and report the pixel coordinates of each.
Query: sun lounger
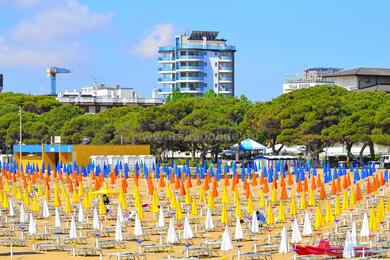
column 7, row 232
column 50, row 247
column 200, row 252
column 153, row 248
column 38, row 236
column 79, row 240
column 12, row 242
column 84, row 251
column 251, row 255
column 106, row 244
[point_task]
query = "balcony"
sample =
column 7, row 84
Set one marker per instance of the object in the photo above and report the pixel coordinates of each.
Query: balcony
column 166, row 59
column 225, row 79
column 227, row 58
column 227, row 90
column 193, row 68
column 207, row 47
column 166, row 80
column 190, row 78
column 166, row 90
column 166, row 69
column 225, row 68
column 166, row 49
column 192, row 90
column 189, row 57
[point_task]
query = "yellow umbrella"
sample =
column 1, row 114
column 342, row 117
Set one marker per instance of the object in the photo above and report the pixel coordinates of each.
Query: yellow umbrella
column 14, row 190
column 380, row 209
column 140, row 209
column 86, row 201
column 47, row 193
column 81, row 190
column 179, row 213
column 29, row 186
column 238, row 212
column 90, row 193
column 154, row 207
column 352, row 198
column 194, row 207
column 303, row 205
column 19, row 195
column 6, row 186
column 39, row 190
column 274, row 196
column 261, row 199
column 281, row 213
column 107, row 191
column 75, row 196
column 319, row 220
column 388, row 204
column 312, row 198
column 210, row 201
column 168, row 191
column 225, row 197
column 293, row 206
column 1, row 196
column 135, row 191
column 173, row 202
column 26, row 198
column 35, row 205
column 345, row 200
column 224, row 215
column 68, row 205
column 102, row 208
column 373, row 224
column 250, row 207
column 270, row 215
column 337, row 210
column 236, row 196
column 188, row 197
column 329, row 217
column 5, row 200
column 202, row 196
column 57, row 201
column 63, row 191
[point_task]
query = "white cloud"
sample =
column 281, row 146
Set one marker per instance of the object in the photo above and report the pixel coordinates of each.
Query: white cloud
column 160, row 36
column 51, row 36
column 21, row 3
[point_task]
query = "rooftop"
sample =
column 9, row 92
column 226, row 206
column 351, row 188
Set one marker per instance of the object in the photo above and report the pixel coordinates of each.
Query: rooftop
column 361, row 72
column 198, row 35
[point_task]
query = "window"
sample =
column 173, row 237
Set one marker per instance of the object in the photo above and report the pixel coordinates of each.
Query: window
column 216, row 64
column 216, row 85
column 216, row 74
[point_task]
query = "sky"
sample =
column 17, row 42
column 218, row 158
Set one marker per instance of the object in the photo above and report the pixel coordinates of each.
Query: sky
column 115, row 42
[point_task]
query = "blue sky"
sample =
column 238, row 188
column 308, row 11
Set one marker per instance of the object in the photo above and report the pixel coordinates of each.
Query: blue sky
column 115, row 41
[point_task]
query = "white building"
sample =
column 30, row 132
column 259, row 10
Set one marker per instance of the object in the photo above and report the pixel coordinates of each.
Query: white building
column 99, row 98
column 363, row 79
column 195, row 64
column 309, row 78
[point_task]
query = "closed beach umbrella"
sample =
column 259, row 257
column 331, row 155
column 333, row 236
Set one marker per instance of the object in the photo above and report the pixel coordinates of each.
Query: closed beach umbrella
column 226, row 243
column 254, row 223
column 81, row 217
column 96, row 221
column 45, row 209
column 23, row 216
column 120, row 214
column 353, row 234
column 238, row 234
column 73, row 229
column 209, row 224
column 57, row 219
column 348, row 251
column 161, row 219
column 365, row 231
column 307, row 229
column 171, row 235
column 187, row 232
column 137, row 226
column 11, row 211
column 118, row 230
column 32, row 227
column 296, row 234
column 283, row 248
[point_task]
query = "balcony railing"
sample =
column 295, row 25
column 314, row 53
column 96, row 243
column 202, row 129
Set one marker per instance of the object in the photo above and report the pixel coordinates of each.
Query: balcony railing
column 189, row 57
column 166, row 69
column 225, row 89
column 226, row 68
column 226, row 58
column 190, row 68
column 207, row 47
column 190, row 78
column 164, row 90
column 166, row 58
column 225, row 79
column 165, row 79
column 167, row 48
column 200, row 89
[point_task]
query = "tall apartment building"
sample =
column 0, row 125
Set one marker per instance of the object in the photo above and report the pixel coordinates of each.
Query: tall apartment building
column 195, row 64
column 1, row 83
column 309, row 78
